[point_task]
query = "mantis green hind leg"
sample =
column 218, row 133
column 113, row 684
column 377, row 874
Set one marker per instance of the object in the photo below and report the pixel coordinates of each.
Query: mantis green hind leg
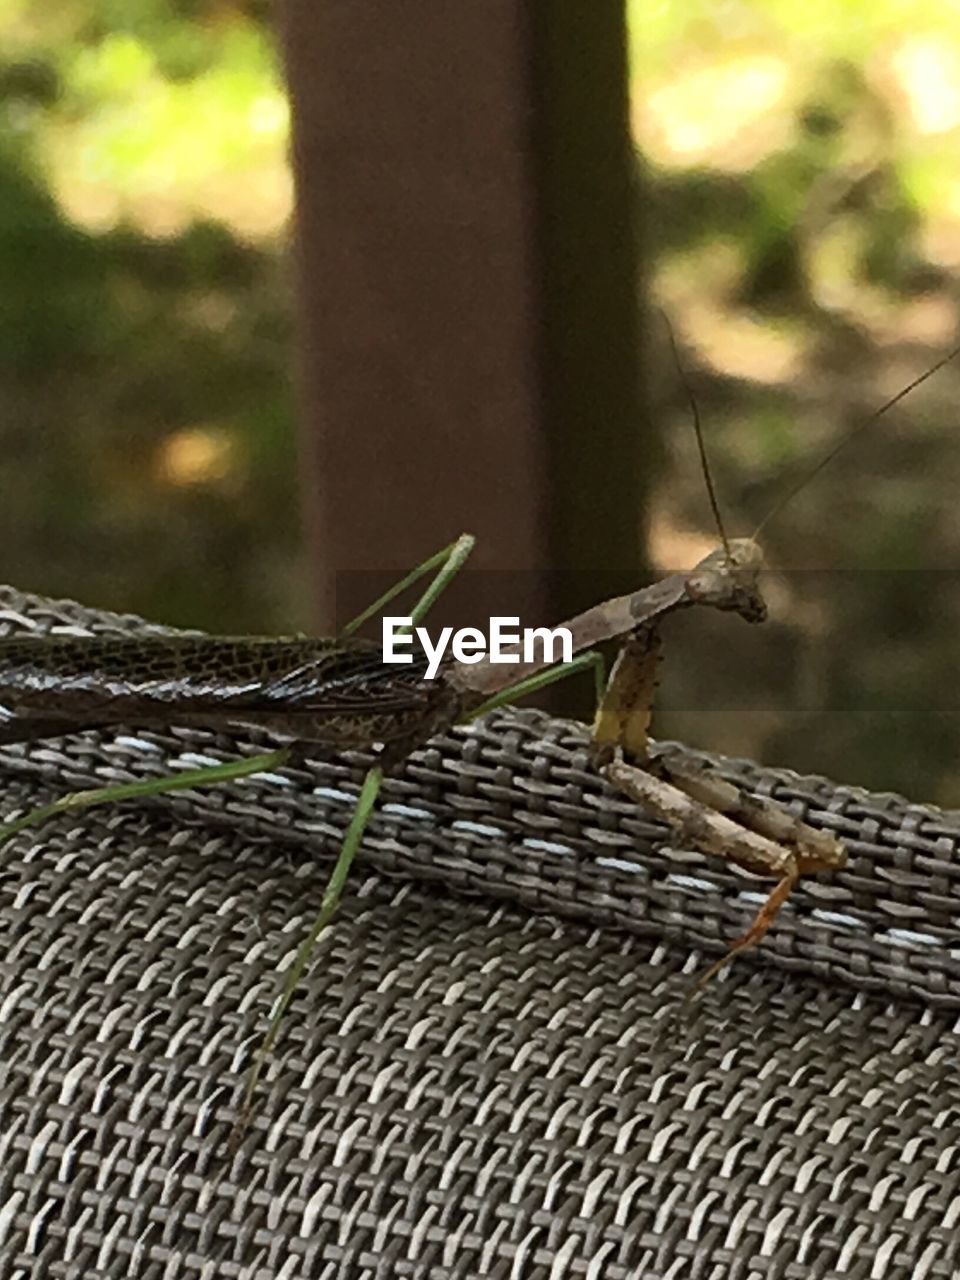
column 592, row 661
column 227, row 772
column 301, row 961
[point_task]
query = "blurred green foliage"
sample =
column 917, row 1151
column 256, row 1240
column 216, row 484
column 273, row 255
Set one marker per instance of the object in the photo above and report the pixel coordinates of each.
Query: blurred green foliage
column 804, row 235
column 147, row 453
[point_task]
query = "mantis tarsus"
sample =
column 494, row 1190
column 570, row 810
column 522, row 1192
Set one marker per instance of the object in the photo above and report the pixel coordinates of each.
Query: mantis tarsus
column 339, row 693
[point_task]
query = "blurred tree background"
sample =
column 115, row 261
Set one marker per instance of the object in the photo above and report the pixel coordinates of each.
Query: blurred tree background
column 147, row 456
column 802, row 201
column 800, row 181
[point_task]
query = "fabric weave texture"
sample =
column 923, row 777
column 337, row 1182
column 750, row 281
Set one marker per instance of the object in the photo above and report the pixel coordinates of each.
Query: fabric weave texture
column 490, row 1069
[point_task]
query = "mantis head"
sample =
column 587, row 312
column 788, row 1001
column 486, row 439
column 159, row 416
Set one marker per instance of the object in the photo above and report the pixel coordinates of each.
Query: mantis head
column 729, row 578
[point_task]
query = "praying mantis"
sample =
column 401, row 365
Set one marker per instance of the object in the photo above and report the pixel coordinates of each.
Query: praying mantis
column 337, row 692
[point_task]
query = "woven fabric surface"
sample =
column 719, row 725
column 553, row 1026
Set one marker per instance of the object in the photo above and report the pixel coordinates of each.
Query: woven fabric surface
column 490, row 1070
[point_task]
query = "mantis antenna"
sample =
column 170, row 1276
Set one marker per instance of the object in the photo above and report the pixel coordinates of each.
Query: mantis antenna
column 701, row 446
column 832, row 452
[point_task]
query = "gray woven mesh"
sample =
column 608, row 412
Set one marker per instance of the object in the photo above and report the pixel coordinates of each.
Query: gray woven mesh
column 490, row 1070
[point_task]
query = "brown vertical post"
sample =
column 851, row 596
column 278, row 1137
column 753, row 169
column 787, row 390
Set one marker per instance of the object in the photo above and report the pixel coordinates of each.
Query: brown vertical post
column 601, row 446
column 467, row 282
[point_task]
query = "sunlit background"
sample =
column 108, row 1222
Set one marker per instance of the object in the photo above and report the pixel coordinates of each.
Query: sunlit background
column 803, row 173
column 801, row 226
column 148, row 416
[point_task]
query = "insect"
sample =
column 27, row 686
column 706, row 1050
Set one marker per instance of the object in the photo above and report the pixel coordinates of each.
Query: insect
column 339, row 693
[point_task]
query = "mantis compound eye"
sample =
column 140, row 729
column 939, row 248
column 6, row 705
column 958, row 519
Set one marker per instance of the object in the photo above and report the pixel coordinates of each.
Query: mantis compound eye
column 730, row 589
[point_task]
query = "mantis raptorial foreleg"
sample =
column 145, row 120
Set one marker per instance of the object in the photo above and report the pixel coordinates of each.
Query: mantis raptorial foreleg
column 713, row 814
